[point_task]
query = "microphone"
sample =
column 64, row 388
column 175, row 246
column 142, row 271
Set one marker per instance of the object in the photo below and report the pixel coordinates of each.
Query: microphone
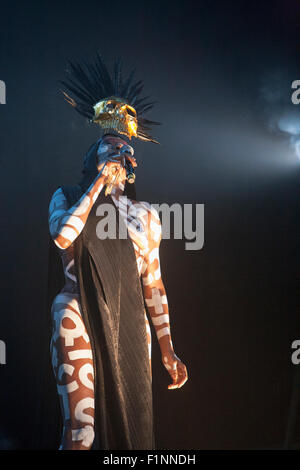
column 129, row 172
column 128, row 167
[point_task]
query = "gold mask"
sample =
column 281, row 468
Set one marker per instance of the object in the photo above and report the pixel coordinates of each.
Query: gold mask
column 116, row 113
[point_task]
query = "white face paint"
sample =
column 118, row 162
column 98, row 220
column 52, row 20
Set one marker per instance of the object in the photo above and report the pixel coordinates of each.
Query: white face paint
column 101, row 152
column 102, row 148
column 113, row 145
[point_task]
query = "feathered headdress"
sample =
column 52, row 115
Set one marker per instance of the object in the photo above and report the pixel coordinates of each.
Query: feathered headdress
column 111, row 102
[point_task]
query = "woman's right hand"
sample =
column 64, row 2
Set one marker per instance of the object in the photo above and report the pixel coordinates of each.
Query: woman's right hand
column 112, row 154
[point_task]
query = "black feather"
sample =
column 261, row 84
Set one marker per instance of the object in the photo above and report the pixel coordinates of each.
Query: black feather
column 117, row 76
column 136, row 101
column 78, row 91
column 80, row 75
column 141, row 109
column 125, row 89
column 104, row 75
column 133, row 90
column 146, row 108
column 152, row 123
column 91, row 82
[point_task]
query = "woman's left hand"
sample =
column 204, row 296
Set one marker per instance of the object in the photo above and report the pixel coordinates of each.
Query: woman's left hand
column 176, row 369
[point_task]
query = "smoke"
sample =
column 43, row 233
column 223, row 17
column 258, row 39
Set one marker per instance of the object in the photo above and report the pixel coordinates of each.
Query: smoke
column 295, row 143
column 281, row 115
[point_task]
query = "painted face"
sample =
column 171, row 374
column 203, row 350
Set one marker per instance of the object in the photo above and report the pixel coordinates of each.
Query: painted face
column 111, row 146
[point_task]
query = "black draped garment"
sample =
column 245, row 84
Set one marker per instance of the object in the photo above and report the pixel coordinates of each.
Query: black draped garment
column 113, row 308
column 113, row 311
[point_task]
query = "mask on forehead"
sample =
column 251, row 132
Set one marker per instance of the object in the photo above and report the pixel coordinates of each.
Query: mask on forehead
column 109, row 101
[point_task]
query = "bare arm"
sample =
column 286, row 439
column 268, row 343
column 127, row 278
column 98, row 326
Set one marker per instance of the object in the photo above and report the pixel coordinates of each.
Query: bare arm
column 65, row 223
column 157, row 303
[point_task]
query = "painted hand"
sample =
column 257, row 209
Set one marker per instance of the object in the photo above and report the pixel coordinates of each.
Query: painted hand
column 176, row 369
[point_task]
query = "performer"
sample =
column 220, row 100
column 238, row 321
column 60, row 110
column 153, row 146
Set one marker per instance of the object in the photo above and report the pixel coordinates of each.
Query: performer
column 101, row 337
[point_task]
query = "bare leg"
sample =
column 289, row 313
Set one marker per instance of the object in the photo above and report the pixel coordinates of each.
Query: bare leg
column 72, row 363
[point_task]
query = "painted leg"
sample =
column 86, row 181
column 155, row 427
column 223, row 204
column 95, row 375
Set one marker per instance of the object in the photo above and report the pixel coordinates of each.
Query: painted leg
column 72, row 363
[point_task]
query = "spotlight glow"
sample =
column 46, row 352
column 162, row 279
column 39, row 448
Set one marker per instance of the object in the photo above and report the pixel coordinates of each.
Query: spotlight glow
column 289, row 123
column 295, row 143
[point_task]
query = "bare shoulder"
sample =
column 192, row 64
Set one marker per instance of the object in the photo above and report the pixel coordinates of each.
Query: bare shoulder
column 149, row 208
column 58, row 200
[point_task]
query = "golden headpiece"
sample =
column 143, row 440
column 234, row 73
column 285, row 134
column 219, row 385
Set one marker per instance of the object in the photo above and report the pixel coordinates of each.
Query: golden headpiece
column 107, row 101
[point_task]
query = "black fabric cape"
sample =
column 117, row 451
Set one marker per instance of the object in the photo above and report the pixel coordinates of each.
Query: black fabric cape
column 113, row 309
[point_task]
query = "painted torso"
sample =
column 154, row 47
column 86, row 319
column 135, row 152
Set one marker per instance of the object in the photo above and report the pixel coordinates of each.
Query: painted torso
column 135, row 214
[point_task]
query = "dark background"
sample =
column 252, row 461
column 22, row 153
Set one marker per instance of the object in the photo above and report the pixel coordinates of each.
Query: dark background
column 234, row 305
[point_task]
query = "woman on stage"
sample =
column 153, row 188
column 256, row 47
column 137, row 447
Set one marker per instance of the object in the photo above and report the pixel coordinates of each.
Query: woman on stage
column 101, row 337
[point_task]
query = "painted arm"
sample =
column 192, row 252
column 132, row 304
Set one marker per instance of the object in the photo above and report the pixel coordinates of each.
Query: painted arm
column 157, row 303
column 65, row 223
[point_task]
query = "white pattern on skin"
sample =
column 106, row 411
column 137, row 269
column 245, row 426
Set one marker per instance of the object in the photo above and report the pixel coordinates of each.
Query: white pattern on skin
column 72, row 362
column 70, row 347
column 85, row 435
